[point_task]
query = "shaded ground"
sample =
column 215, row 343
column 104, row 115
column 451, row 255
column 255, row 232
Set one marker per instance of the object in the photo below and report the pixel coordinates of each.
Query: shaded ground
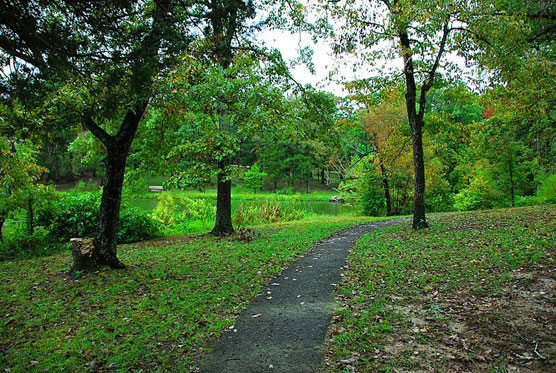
column 284, row 328
column 176, row 296
column 476, row 292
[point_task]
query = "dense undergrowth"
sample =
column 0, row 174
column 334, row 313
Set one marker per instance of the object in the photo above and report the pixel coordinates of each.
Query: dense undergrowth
column 475, row 292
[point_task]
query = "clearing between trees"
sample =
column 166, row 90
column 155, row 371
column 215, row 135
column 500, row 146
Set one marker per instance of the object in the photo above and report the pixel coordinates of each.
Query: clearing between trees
column 475, row 292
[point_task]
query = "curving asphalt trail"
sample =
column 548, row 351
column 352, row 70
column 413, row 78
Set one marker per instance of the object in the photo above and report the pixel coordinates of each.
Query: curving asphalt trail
column 284, row 328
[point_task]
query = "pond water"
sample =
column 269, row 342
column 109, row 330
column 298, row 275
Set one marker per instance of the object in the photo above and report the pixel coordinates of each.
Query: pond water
column 318, row 207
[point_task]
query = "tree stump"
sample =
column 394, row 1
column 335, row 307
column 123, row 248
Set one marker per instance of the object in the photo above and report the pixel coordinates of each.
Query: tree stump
column 82, row 250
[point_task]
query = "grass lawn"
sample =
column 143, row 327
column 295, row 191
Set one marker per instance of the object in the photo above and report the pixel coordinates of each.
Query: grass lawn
column 176, row 296
column 475, row 292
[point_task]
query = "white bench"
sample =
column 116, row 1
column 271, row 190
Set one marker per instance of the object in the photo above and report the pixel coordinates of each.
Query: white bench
column 155, row 188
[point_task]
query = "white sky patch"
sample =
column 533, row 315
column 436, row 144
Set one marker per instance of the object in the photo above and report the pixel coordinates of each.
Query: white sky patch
column 323, row 59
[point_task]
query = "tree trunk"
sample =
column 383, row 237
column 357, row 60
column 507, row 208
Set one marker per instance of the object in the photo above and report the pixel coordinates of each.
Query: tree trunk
column 106, row 237
column 322, row 181
column 309, row 184
column 30, row 217
column 512, row 186
column 419, row 219
column 386, row 190
column 2, row 221
column 117, row 150
column 539, row 159
column 223, row 226
column 416, row 125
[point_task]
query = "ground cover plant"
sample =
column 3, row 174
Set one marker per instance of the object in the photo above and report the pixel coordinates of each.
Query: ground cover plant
column 177, row 295
column 475, row 292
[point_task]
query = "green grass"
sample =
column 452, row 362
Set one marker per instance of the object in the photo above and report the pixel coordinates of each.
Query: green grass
column 474, row 292
column 177, row 295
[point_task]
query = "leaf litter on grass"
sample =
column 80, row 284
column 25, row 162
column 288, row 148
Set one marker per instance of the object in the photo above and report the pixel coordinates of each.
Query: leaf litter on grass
column 176, row 295
column 476, row 292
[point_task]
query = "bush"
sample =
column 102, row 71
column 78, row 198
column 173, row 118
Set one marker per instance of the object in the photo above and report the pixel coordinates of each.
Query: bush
column 75, row 215
column 268, row 211
column 136, row 225
column 373, row 201
column 547, row 192
column 172, row 211
column 22, row 245
column 480, row 194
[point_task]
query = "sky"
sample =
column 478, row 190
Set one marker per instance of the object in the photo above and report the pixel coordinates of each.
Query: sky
column 324, row 61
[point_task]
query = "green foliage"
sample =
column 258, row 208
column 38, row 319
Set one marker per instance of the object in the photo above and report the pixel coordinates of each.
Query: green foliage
column 480, row 194
column 136, row 225
column 76, row 215
column 177, row 211
column 372, row 197
column 269, row 211
column 72, row 215
column 134, row 182
column 21, row 244
column 254, row 178
column 547, row 192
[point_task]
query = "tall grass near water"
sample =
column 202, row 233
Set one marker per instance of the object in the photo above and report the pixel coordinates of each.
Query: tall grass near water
column 268, row 211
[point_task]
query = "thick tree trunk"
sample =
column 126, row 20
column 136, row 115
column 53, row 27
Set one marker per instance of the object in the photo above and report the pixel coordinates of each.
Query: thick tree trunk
column 322, row 181
column 106, row 237
column 386, row 190
column 419, row 220
column 223, row 224
column 117, row 149
column 309, row 184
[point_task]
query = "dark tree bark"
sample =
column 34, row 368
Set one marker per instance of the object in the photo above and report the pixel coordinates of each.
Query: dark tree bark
column 117, row 149
column 416, row 119
column 2, row 221
column 386, row 190
column 223, row 224
column 419, row 219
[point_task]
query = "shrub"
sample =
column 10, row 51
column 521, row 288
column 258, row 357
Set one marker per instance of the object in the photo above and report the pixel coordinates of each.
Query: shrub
column 372, row 198
column 254, row 178
column 267, row 211
column 136, row 225
column 20, row 244
column 172, row 211
column 75, row 215
column 547, row 192
column 480, row 194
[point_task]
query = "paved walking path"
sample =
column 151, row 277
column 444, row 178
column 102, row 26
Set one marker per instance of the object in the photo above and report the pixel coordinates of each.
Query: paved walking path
column 284, row 329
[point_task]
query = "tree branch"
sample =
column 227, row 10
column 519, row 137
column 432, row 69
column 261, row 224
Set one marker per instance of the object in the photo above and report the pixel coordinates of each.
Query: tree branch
column 430, row 79
column 98, row 131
